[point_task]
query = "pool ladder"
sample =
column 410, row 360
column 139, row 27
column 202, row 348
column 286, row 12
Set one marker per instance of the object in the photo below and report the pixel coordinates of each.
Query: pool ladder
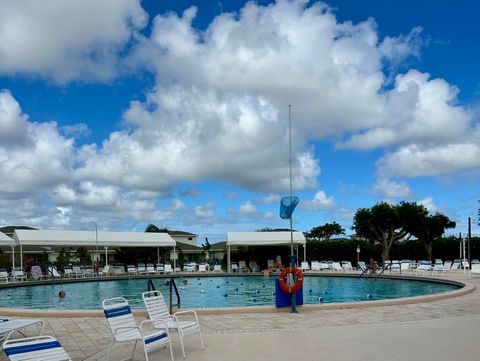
column 172, row 286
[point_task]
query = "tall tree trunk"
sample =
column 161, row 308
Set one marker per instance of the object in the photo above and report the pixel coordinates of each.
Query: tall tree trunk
column 429, row 248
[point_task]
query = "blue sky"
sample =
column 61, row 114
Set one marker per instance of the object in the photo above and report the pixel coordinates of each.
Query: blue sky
column 176, row 112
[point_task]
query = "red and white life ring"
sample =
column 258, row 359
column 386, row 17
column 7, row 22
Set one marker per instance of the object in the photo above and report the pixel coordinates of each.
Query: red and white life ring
column 298, row 283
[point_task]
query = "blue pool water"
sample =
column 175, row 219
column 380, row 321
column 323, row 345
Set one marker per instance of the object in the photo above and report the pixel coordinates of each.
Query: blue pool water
column 205, row 292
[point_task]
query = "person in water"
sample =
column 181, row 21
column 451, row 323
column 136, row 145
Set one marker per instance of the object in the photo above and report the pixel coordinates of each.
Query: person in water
column 61, row 294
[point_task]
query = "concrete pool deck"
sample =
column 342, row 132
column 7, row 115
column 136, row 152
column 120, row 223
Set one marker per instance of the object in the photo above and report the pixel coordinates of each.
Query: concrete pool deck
column 445, row 329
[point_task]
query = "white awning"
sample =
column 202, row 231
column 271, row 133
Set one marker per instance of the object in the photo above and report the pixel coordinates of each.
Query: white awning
column 6, row 240
column 264, row 238
column 89, row 238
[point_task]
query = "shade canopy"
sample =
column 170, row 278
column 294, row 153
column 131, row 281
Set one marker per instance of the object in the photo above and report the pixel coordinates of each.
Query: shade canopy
column 6, row 240
column 89, row 238
column 264, row 238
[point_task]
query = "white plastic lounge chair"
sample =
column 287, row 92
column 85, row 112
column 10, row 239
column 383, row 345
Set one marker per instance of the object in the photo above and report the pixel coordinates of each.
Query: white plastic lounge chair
column 347, row 266
column 131, row 269
column 107, row 270
column 78, row 271
column 234, row 267
column 405, row 266
column 315, row 266
column 124, row 329
column 423, row 267
column 18, row 274
column 202, row 268
column 304, row 266
column 3, row 274
column 150, row 268
column 168, row 268
column 217, row 268
column 160, row 268
column 442, row 268
column 336, row 267
column 44, row 348
column 12, row 325
column 67, row 271
column 118, row 270
column 324, row 266
column 270, row 263
column 456, row 264
column 190, row 267
column 142, row 269
column 475, row 269
column 158, row 312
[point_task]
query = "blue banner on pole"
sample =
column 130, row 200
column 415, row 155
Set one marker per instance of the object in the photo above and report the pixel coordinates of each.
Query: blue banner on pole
column 287, row 206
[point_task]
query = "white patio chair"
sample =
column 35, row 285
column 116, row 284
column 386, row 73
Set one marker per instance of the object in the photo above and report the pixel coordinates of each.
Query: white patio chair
column 3, row 274
column 217, row 268
column 475, row 269
column 18, row 274
column 456, row 264
column 107, row 270
column 315, row 266
column 442, row 269
column 11, row 325
column 44, row 348
column 336, row 267
column 324, row 266
column 168, row 268
column 347, row 266
column 405, row 266
column 118, row 270
column 131, row 269
column 202, row 268
column 424, row 267
column 78, row 271
column 304, row 266
column 151, row 268
column 124, row 329
column 142, row 269
column 67, row 271
column 234, row 267
column 270, row 263
column 160, row 268
column 159, row 314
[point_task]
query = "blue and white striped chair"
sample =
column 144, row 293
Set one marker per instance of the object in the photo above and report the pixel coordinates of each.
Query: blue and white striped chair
column 159, row 313
column 45, row 348
column 124, row 329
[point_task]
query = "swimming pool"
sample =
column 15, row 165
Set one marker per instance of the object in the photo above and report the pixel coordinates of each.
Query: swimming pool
column 209, row 292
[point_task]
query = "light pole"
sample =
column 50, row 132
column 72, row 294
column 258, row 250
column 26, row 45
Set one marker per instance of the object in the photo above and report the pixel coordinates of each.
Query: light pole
column 358, row 253
column 96, row 237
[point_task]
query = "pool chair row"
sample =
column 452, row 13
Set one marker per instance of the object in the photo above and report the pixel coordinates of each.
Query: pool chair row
column 327, row 266
column 242, row 267
column 154, row 332
column 18, row 274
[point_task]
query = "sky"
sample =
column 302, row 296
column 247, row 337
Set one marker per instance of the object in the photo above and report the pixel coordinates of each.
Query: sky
column 176, row 113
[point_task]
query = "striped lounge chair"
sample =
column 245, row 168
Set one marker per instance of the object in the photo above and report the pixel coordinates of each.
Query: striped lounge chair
column 45, row 348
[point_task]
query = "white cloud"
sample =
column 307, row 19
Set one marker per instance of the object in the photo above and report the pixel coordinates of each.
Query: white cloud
column 64, row 41
column 193, row 136
column 320, row 201
column 391, row 189
column 33, row 156
column 247, row 209
column 271, row 198
column 428, row 203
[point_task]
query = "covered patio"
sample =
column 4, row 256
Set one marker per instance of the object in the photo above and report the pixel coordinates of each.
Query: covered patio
column 265, row 239
column 90, row 240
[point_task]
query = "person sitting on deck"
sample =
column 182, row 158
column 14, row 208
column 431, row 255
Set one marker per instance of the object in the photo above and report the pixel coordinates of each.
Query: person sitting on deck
column 373, row 266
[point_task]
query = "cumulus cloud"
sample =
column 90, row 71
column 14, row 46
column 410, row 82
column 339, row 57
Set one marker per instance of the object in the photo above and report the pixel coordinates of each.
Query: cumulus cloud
column 320, row 201
column 247, row 209
column 192, row 136
column 33, row 156
column 391, row 189
column 64, row 41
column 428, row 203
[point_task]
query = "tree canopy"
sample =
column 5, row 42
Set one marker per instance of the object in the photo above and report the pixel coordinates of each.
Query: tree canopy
column 386, row 223
column 326, row 231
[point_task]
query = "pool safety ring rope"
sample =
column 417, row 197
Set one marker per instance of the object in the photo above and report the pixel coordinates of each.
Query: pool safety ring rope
column 295, row 287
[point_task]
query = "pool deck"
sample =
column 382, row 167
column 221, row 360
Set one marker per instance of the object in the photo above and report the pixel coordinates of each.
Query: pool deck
column 445, row 329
